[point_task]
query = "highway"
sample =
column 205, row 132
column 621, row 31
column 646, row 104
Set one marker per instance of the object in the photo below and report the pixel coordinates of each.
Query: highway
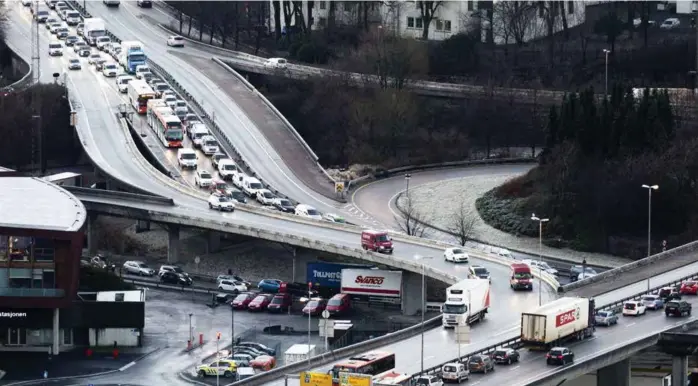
column 107, row 146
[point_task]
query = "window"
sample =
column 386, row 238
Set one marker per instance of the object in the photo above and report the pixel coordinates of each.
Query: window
column 471, row 5
column 17, row 336
column 439, row 25
column 322, row 21
column 119, row 297
column 570, row 7
column 67, row 336
column 447, row 25
column 323, row 5
column 410, row 22
column 419, row 23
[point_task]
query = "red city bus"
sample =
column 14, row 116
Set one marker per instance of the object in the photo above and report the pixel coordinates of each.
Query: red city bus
column 139, row 93
column 372, row 363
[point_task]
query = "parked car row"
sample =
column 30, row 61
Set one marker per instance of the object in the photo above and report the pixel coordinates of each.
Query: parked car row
column 241, row 361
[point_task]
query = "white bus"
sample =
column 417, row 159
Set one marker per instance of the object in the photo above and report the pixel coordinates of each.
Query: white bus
column 392, row 377
column 139, row 93
column 166, row 125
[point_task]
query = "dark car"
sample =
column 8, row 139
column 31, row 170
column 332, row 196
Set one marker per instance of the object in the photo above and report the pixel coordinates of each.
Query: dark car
column 258, row 347
column 559, row 356
column 260, row 302
column 248, row 350
column 175, row 278
column 145, row 4
column 669, row 294
column 99, row 64
column 505, row 355
column 480, row 364
column 242, row 301
column 284, row 205
column 576, row 270
column 84, row 52
column 678, row 308
column 70, row 40
column 280, row 303
column 237, row 195
column 298, row 289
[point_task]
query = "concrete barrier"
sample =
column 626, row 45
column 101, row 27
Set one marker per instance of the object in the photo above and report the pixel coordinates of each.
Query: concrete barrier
column 147, row 198
column 614, row 273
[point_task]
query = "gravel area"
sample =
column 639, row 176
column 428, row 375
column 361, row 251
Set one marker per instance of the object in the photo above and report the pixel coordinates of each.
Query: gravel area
column 439, row 200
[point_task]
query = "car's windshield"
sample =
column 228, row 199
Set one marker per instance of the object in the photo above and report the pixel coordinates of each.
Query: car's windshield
column 211, row 143
column 142, row 265
column 73, row 61
column 672, row 304
column 457, row 251
column 313, row 303
column 277, row 301
column 110, row 67
column 205, row 175
column 241, row 298
column 555, row 352
column 450, row 369
column 103, row 39
column 285, row 203
column 177, row 269
column 334, row 302
column 499, row 353
column 188, row 156
column 223, row 199
column 162, row 87
column 55, row 46
column 602, row 314
column 181, row 104
column 522, row 275
column 313, row 212
column 382, row 237
column 268, row 195
column 480, row 271
column 255, row 185
column 454, row 309
column 177, row 38
column 228, row 167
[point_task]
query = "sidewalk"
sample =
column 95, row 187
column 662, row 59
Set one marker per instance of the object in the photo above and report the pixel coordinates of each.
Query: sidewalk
column 441, row 199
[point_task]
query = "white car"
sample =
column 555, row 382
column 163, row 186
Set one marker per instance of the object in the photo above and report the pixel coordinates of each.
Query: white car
column 670, row 23
column 456, row 255
column 203, row 179
column 634, row 308
column 110, row 69
column 55, row 49
column 585, row 275
column 92, row 59
column 102, row 42
column 209, row 145
column 181, row 107
column 232, row 286
column 226, row 168
column 74, row 64
column 175, row 41
column 275, row 63
column 114, row 49
column 197, row 132
column 221, row 203
column 542, row 265
column 143, row 74
column 122, row 82
column 307, row 211
column 502, row 252
column 138, row 268
column 265, row 197
column 170, row 100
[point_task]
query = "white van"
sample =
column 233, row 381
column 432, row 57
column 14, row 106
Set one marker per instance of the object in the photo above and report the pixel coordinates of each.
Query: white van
column 196, row 132
column 186, row 158
column 122, row 82
column 226, row 168
column 239, row 179
column 209, row 145
column 140, row 69
column 55, row 49
column 251, row 186
column 308, row 211
column 72, row 17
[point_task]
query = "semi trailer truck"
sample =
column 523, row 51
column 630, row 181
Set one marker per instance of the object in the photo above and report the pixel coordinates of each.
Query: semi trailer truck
column 551, row 324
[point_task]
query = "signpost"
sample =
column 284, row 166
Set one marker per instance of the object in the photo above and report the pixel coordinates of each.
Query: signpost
column 308, row 378
column 346, row 379
column 326, row 328
column 339, row 188
column 462, row 334
column 197, row 260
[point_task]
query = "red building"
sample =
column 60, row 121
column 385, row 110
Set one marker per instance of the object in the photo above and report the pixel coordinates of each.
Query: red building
column 41, row 236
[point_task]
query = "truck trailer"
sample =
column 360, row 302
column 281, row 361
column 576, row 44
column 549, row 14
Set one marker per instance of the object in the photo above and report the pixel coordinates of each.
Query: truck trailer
column 468, row 299
column 558, row 321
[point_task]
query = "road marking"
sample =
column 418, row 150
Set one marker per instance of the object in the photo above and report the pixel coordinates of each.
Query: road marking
column 514, row 368
column 127, row 366
column 631, row 324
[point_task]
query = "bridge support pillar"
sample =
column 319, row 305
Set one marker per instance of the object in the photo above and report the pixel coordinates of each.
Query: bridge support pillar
column 142, row 226
column 172, row 243
column 91, row 234
column 679, row 370
column 413, row 293
column 55, row 346
column 213, row 242
column 300, row 265
column 617, row 374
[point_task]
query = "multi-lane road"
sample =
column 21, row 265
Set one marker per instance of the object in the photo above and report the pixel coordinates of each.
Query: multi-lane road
column 107, row 144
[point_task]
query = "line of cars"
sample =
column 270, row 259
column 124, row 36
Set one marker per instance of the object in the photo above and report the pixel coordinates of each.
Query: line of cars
column 169, row 274
column 241, row 362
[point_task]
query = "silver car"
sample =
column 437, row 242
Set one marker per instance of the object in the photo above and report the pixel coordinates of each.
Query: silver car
column 138, row 268
column 605, row 318
column 653, row 302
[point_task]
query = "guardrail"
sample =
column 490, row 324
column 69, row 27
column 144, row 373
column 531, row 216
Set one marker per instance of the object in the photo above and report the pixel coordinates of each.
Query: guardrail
column 613, row 273
column 151, row 199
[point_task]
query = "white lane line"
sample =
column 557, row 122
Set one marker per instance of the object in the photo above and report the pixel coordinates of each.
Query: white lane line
column 514, row 368
column 630, row 325
column 127, row 366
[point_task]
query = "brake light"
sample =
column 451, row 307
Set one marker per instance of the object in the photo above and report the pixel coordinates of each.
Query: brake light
column 547, row 355
column 559, row 357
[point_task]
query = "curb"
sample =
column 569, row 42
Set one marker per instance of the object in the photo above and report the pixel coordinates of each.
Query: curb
column 100, row 374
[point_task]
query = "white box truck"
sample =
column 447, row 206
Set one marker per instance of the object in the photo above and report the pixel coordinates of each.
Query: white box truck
column 299, row 353
column 466, row 300
column 558, row 321
column 94, row 28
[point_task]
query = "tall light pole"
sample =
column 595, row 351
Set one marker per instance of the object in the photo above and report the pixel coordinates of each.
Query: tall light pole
column 310, row 295
column 232, row 327
column 407, row 184
column 540, row 254
column 606, row 52
column 191, row 334
column 649, row 188
column 423, row 298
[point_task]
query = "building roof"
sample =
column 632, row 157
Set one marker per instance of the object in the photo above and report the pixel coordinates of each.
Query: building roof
column 33, row 203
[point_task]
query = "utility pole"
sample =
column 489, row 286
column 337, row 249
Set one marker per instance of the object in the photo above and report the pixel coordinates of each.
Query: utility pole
column 36, row 51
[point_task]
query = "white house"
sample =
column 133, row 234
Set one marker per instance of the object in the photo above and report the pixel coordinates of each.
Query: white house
column 404, row 18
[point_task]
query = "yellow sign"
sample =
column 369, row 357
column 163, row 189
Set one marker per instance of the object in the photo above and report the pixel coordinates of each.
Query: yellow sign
column 339, row 187
column 346, row 379
column 316, row 379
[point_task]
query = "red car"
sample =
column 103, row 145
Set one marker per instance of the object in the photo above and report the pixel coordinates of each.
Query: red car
column 689, row 288
column 260, row 303
column 315, row 306
column 242, row 301
column 219, row 186
column 280, row 303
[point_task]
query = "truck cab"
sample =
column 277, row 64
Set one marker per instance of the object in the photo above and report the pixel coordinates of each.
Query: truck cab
column 521, row 277
column 466, row 302
column 377, row 241
column 454, row 372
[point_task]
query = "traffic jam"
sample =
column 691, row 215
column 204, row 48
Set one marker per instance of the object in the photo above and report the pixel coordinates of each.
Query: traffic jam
column 546, row 329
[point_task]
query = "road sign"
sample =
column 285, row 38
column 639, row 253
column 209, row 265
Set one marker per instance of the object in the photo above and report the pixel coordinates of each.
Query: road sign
column 315, row 379
column 462, row 334
column 325, row 314
column 346, row 379
column 326, row 328
column 197, row 260
column 338, row 187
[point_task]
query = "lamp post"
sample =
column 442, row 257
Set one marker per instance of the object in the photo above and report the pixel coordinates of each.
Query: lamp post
column 606, row 52
column 232, row 328
column 191, row 334
column 310, row 286
column 649, row 188
column 540, row 254
column 407, row 184
column 423, row 298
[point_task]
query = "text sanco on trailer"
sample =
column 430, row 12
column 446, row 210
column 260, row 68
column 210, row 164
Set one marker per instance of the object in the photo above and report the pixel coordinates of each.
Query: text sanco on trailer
column 558, row 321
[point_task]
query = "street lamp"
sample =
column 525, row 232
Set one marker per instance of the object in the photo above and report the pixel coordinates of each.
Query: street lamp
column 606, row 52
column 649, row 188
column 407, row 184
column 191, row 334
column 540, row 254
column 423, row 296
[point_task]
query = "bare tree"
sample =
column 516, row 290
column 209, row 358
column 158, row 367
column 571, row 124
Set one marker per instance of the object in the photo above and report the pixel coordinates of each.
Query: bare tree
column 412, row 221
column 515, row 20
column 462, row 224
column 427, row 9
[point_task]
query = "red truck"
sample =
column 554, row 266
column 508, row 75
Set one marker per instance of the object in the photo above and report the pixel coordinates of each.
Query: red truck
column 521, row 277
column 377, row 241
